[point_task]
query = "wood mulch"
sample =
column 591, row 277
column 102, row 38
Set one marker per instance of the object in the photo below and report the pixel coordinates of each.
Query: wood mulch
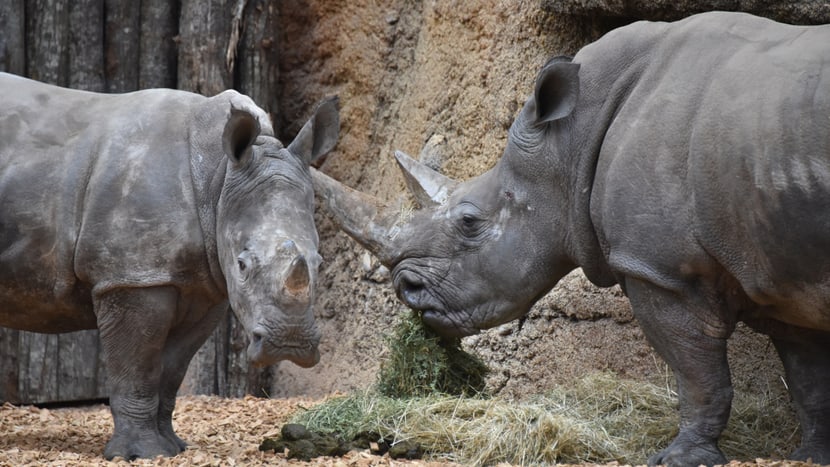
column 222, row 432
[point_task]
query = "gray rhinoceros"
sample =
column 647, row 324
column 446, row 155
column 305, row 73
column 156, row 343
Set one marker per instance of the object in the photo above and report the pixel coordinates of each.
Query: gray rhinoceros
column 143, row 215
column 688, row 162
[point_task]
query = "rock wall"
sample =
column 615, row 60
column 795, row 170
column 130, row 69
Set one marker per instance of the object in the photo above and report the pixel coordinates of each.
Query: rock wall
column 450, row 76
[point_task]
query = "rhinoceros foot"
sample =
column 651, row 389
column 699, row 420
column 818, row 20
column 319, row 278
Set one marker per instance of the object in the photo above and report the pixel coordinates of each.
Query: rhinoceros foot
column 172, row 437
column 816, row 454
column 683, row 452
column 131, row 442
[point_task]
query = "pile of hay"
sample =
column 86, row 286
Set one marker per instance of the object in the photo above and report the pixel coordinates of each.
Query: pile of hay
column 420, row 363
column 597, row 419
column 423, row 394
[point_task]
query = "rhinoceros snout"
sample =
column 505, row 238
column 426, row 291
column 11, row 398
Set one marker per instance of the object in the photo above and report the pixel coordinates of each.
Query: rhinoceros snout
column 296, row 345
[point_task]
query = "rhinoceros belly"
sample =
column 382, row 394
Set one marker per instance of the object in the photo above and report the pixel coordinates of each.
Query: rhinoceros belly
column 38, row 291
column 805, row 305
column 22, row 309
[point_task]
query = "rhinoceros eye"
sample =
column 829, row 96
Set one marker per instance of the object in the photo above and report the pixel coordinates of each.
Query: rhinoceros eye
column 469, row 220
column 243, row 264
column 470, row 225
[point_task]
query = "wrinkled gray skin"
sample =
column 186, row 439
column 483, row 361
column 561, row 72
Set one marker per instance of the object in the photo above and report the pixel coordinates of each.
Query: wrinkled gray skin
column 688, row 162
column 143, row 215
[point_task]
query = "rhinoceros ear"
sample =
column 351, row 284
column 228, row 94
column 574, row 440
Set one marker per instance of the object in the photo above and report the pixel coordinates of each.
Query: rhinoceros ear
column 429, row 187
column 297, row 280
column 241, row 131
column 319, row 134
column 557, row 90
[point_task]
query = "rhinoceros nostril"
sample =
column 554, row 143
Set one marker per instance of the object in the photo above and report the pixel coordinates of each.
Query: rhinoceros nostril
column 411, row 283
column 257, row 336
column 410, row 287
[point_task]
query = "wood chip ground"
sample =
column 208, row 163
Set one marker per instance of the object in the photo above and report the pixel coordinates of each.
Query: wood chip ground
column 222, row 432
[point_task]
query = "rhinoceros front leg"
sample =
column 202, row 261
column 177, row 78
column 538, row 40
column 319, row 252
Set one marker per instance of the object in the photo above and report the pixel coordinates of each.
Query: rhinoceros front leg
column 134, row 326
column 806, row 358
column 182, row 345
column 684, row 330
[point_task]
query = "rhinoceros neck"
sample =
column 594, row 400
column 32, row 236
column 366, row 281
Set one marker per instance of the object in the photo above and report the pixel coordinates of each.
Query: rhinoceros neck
column 606, row 82
column 207, row 170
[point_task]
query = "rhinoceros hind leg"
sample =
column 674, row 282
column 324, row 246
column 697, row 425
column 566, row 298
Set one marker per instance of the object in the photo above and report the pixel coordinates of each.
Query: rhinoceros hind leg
column 134, row 324
column 695, row 349
column 806, row 358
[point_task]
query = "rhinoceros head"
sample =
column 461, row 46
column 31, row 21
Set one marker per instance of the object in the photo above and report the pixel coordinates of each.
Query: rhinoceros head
column 479, row 253
column 266, row 238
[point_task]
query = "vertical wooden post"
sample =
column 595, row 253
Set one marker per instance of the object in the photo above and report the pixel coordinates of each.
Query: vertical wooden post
column 12, row 60
column 13, row 38
column 209, row 34
column 121, row 43
column 158, row 59
column 47, row 39
column 257, row 76
column 47, row 60
column 81, row 373
column 204, row 34
column 86, row 45
column 258, row 65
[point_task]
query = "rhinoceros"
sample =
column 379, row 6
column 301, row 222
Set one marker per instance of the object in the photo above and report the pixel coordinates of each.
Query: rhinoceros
column 143, row 215
column 688, row 162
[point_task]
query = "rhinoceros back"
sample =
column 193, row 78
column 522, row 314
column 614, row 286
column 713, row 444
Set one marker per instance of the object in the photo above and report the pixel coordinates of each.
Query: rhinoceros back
column 760, row 166
column 95, row 192
column 727, row 128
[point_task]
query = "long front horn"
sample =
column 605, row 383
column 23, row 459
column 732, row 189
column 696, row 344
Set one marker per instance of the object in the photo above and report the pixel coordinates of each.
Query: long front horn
column 364, row 218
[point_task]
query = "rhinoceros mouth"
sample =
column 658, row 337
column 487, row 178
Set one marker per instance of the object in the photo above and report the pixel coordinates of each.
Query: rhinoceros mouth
column 305, row 356
column 447, row 325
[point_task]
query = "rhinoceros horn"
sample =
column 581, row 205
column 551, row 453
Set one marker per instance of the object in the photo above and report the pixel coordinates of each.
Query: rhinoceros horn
column 377, row 226
column 429, row 187
column 364, row 218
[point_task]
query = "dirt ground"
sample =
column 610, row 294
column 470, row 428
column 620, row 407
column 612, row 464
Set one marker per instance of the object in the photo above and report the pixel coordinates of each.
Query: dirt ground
column 224, row 432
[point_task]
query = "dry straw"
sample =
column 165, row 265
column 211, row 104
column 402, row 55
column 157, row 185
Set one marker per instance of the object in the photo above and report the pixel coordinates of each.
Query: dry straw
column 598, row 419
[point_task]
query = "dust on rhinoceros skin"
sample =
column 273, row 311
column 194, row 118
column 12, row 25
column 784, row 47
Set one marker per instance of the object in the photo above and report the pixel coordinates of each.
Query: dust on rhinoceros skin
column 688, row 162
column 144, row 214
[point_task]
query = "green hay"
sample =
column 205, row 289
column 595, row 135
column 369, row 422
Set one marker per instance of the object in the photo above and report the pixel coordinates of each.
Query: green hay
column 420, row 364
column 597, row 419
